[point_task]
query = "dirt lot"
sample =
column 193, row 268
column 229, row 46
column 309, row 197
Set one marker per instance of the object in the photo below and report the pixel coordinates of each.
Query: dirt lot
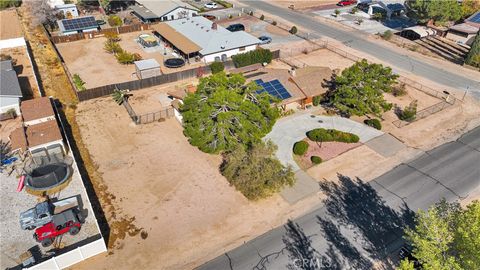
column 153, row 170
column 97, row 67
column 23, row 67
column 322, row 58
column 302, row 4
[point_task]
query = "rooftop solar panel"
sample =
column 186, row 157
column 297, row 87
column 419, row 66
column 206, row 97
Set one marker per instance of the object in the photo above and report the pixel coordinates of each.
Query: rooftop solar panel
column 475, row 18
column 274, row 88
column 79, row 23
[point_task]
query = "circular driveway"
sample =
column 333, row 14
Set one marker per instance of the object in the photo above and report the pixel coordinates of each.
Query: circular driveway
column 293, row 128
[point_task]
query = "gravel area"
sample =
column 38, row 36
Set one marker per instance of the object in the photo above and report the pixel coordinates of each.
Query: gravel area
column 13, row 240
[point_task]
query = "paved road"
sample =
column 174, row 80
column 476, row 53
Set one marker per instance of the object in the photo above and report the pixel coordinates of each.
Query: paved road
column 355, row 40
column 360, row 222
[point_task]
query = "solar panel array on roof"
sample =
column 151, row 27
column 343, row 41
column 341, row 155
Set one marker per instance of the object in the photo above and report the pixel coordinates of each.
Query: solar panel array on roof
column 475, row 18
column 274, row 88
column 79, row 23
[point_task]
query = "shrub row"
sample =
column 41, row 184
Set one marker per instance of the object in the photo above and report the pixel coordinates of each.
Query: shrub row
column 216, row 67
column 300, row 148
column 375, row 123
column 331, row 135
column 112, row 46
column 224, row 3
column 252, row 57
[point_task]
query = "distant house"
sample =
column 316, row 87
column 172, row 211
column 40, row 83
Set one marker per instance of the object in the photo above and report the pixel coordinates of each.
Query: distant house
column 465, row 32
column 165, row 10
column 10, row 92
column 70, row 11
column 77, row 25
column 199, row 37
column 11, row 34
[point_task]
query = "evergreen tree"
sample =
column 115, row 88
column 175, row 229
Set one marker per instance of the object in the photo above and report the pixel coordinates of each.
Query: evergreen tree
column 473, row 57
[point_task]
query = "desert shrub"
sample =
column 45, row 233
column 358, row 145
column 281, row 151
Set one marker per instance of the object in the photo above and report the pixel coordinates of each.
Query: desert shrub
column 114, row 21
column 331, row 135
column 255, row 171
column 316, row 159
column 252, row 57
column 262, row 17
column 399, row 90
column 112, row 36
column 111, row 46
column 224, row 3
column 12, row 112
column 473, row 56
column 274, row 23
column 387, row 35
column 300, row 148
column 337, row 12
column 354, row 10
column 79, row 83
column 293, row 30
column 316, row 100
column 378, row 16
column 126, row 58
column 375, row 123
column 216, row 67
column 250, row 13
column 409, row 113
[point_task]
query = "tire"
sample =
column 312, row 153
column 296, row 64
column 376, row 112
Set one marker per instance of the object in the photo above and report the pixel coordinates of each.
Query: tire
column 74, row 230
column 47, row 242
column 30, row 228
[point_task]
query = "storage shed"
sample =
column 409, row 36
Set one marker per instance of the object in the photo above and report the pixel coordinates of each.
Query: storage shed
column 147, row 68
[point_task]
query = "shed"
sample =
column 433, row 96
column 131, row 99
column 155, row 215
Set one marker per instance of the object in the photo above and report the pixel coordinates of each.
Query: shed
column 147, row 68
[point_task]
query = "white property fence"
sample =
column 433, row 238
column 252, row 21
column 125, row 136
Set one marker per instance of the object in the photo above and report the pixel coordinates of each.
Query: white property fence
column 72, row 257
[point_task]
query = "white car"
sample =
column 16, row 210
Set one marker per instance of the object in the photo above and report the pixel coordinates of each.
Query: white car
column 210, row 5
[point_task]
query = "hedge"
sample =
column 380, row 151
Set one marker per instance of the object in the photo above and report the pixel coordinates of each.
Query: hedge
column 252, row 57
column 216, row 67
column 300, row 148
column 375, row 123
column 331, row 135
column 316, row 159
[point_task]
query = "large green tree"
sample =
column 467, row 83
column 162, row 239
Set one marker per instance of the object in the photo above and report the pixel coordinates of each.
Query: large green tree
column 359, row 89
column 473, row 57
column 441, row 11
column 469, row 7
column 255, row 171
column 447, row 237
column 225, row 111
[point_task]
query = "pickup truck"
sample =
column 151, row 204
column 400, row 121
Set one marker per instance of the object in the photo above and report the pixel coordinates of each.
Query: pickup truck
column 43, row 212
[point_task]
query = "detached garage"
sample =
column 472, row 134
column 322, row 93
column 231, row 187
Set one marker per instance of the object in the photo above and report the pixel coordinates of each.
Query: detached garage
column 147, row 68
column 417, row 32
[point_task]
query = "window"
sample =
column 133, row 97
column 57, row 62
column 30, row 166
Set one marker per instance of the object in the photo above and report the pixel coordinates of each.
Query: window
column 172, row 17
column 241, row 49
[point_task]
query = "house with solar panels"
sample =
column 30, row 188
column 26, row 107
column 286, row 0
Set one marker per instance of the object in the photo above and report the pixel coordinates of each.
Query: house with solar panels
column 465, row 32
column 77, row 25
column 154, row 11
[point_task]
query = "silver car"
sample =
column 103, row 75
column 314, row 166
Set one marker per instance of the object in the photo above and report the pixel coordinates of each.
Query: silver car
column 265, row 39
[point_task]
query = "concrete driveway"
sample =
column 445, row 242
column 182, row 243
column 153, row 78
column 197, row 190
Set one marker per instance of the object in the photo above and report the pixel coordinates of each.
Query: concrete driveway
column 291, row 129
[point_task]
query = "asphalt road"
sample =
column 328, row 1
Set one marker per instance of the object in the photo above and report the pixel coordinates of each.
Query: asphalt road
column 362, row 222
column 355, row 40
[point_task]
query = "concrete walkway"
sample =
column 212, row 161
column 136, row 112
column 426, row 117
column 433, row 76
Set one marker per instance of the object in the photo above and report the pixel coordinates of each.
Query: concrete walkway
column 291, row 129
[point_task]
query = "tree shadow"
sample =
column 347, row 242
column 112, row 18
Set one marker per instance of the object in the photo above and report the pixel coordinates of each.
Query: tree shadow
column 299, row 246
column 357, row 205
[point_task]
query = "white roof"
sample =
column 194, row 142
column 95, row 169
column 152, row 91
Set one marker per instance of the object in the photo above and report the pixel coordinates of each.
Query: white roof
column 199, row 30
column 147, row 64
column 421, row 30
column 162, row 7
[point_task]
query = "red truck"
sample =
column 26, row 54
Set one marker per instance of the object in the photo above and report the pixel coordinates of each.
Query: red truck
column 346, row 3
column 69, row 221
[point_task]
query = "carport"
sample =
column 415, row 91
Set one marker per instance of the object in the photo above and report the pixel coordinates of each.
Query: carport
column 177, row 40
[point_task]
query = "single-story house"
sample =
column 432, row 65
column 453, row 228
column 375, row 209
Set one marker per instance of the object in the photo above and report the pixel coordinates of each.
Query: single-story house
column 10, row 92
column 165, row 10
column 70, row 11
column 77, row 25
column 462, row 33
column 36, row 111
column 312, row 81
column 44, row 135
column 199, row 37
column 147, row 68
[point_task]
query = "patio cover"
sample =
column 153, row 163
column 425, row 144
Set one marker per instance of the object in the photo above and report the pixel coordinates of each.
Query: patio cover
column 177, row 39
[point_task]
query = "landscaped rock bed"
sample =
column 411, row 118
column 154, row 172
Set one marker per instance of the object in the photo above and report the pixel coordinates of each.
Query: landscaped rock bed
column 328, row 150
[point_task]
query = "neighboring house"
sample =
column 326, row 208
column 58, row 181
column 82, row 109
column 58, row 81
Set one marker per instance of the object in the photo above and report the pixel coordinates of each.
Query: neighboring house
column 11, row 34
column 199, row 37
column 37, row 111
column 417, row 32
column 165, row 10
column 70, row 11
column 44, row 135
column 77, row 25
column 10, row 92
column 465, row 32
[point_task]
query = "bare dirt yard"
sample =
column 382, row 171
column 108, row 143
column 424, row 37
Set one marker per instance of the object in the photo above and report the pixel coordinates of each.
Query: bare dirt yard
column 302, row 4
column 321, row 57
column 23, row 66
column 171, row 190
column 96, row 67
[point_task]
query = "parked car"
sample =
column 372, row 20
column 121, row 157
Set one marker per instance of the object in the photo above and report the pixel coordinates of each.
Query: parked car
column 43, row 212
column 346, row 3
column 265, row 39
column 209, row 17
column 69, row 221
column 236, row 27
column 210, row 5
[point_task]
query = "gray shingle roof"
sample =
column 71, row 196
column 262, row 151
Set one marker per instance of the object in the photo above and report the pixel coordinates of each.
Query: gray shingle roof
column 147, row 64
column 156, row 9
column 9, row 85
column 199, row 31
